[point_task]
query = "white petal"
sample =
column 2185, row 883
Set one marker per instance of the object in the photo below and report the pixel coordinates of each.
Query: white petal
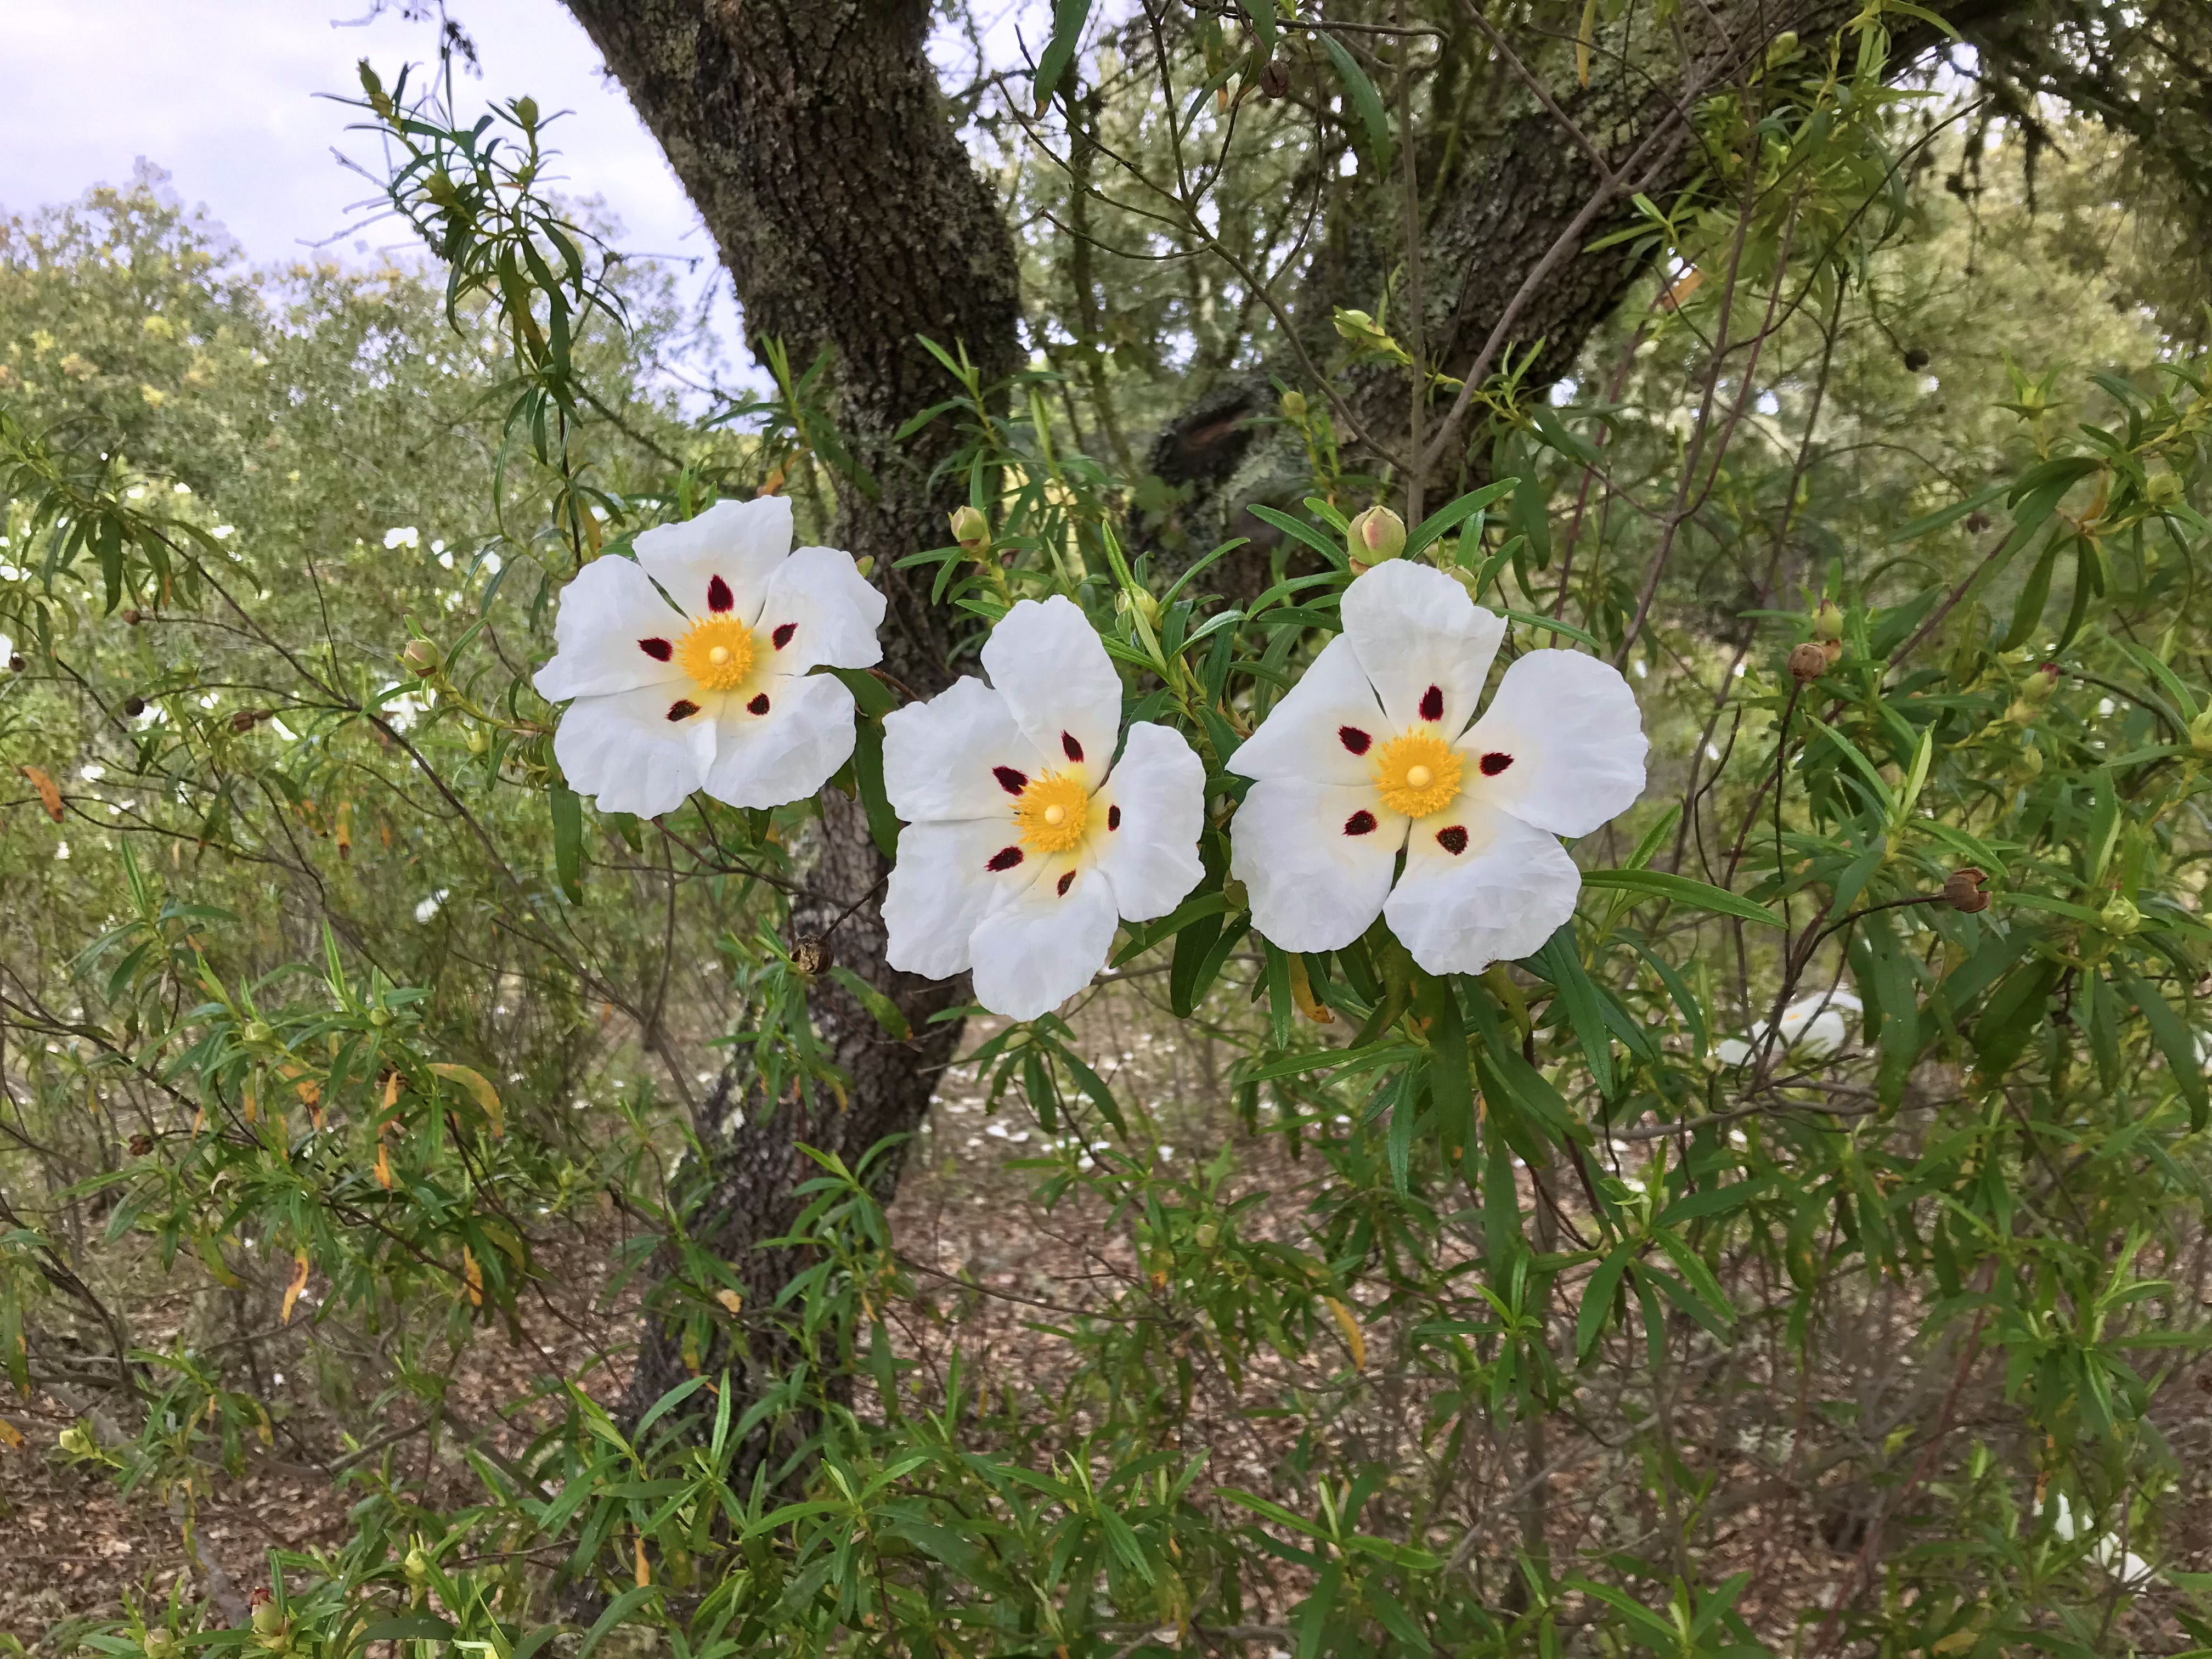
column 1046, row 660
column 1156, row 804
column 625, row 749
column 942, row 758
column 941, row 886
column 820, row 595
column 607, row 617
column 787, row 751
column 1416, row 630
column 1325, row 727
column 1314, row 885
column 740, row 542
column 1043, row 944
column 1573, row 742
column 1497, row 900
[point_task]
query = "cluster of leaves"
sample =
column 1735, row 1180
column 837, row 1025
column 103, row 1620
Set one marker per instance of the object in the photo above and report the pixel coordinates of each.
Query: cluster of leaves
column 1525, row 1200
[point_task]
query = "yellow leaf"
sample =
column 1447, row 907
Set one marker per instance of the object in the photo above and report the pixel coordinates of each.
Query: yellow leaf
column 299, row 1284
column 345, row 829
column 1958, row 1641
column 252, row 1105
column 1349, row 1326
column 730, row 1300
column 644, row 1569
column 10, row 1435
column 474, row 1273
column 1583, row 40
column 1301, row 994
column 49, row 795
column 383, row 1167
column 477, row 1085
column 391, row 1092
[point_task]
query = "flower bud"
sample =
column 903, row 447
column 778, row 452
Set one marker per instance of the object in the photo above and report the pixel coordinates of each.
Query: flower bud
column 1828, row 621
column 2163, row 488
column 2119, row 915
column 76, row 1442
column 158, row 1644
column 865, row 564
column 1807, row 662
column 810, row 957
column 478, row 743
column 258, row 1031
column 1141, row 601
column 2040, row 684
column 525, row 109
column 2028, row 762
column 2200, row 735
column 1962, row 890
column 971, row 529
column 422, row 657
column 1204, row 1233
column 380, row 1017
column 1294, row 406
column 1376, row 535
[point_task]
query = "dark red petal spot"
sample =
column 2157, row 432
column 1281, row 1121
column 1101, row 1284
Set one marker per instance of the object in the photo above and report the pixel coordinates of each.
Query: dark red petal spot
column 1452, row 840
column 1012, row 781
column 1113, row 817
column 759, row 705
column 681, row 710
column 1005, row 859
column 781, row 637
column 1432, row 703
column 719, row 597
column 658, row 650
column 1066, row 882
column 1072, row 749
column 1495, row 761
column 1354, row 738
column 1359, row 824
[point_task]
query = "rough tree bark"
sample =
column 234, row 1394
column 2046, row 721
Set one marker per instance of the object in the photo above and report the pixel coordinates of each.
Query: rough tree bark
column 813, row 137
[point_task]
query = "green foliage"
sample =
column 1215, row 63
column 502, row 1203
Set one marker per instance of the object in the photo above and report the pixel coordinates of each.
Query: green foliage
column 320, row 945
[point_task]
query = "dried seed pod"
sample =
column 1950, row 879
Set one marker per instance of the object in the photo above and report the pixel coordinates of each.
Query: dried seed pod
column 811, row 956
column 1807, row 662
column 134, row 706
column 1962, row 890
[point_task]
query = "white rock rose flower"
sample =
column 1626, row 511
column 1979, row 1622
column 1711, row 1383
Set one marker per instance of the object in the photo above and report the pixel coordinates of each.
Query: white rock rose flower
column 1371, row 752
column 1812, row 1028
column 713, row 694
column 1026, row 838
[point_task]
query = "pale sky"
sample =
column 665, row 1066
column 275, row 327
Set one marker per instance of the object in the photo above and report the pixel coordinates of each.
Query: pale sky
column 224, row 94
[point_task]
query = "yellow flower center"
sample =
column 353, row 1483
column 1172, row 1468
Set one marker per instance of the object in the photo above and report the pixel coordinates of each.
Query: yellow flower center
column 1053, row 812
column 717, row 653
column 1418, row 774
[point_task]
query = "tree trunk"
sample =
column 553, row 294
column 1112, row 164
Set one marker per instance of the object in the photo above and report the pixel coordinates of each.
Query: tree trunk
column 813, row 138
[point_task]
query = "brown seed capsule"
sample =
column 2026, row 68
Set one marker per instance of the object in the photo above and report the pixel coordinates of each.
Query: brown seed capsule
column 134, row 706
column 811, row 956
column 1807, row 662
column 243, row 719
column 1917, row 359
column 1275, row 79
column 1978, row 522
column 1962, row 890
column 133, row 616
column 141, row 1145
column 16, row 663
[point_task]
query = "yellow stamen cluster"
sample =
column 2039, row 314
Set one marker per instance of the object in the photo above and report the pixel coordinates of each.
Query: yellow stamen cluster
column 1418, row 774
column 717, row 653
column 1053, row 812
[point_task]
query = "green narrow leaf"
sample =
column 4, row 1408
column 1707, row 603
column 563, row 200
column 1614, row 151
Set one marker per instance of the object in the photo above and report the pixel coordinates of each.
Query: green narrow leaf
column 567, row 810
column 1597, row 1301
column 1448, row 1083
column 2027, row 610
column 1068, row 17
column 1682, row 890
column 868, row 776
column 1364, row 98
column 881, row 1008
column 2174, row 1042
column 1561, row 963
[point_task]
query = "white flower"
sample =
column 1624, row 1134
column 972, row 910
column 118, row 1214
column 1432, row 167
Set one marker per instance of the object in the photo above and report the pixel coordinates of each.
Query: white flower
column 1812, row 1027
column 1372, row 752
column 1025, row 837
column 714, row 694
column 405, row 535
